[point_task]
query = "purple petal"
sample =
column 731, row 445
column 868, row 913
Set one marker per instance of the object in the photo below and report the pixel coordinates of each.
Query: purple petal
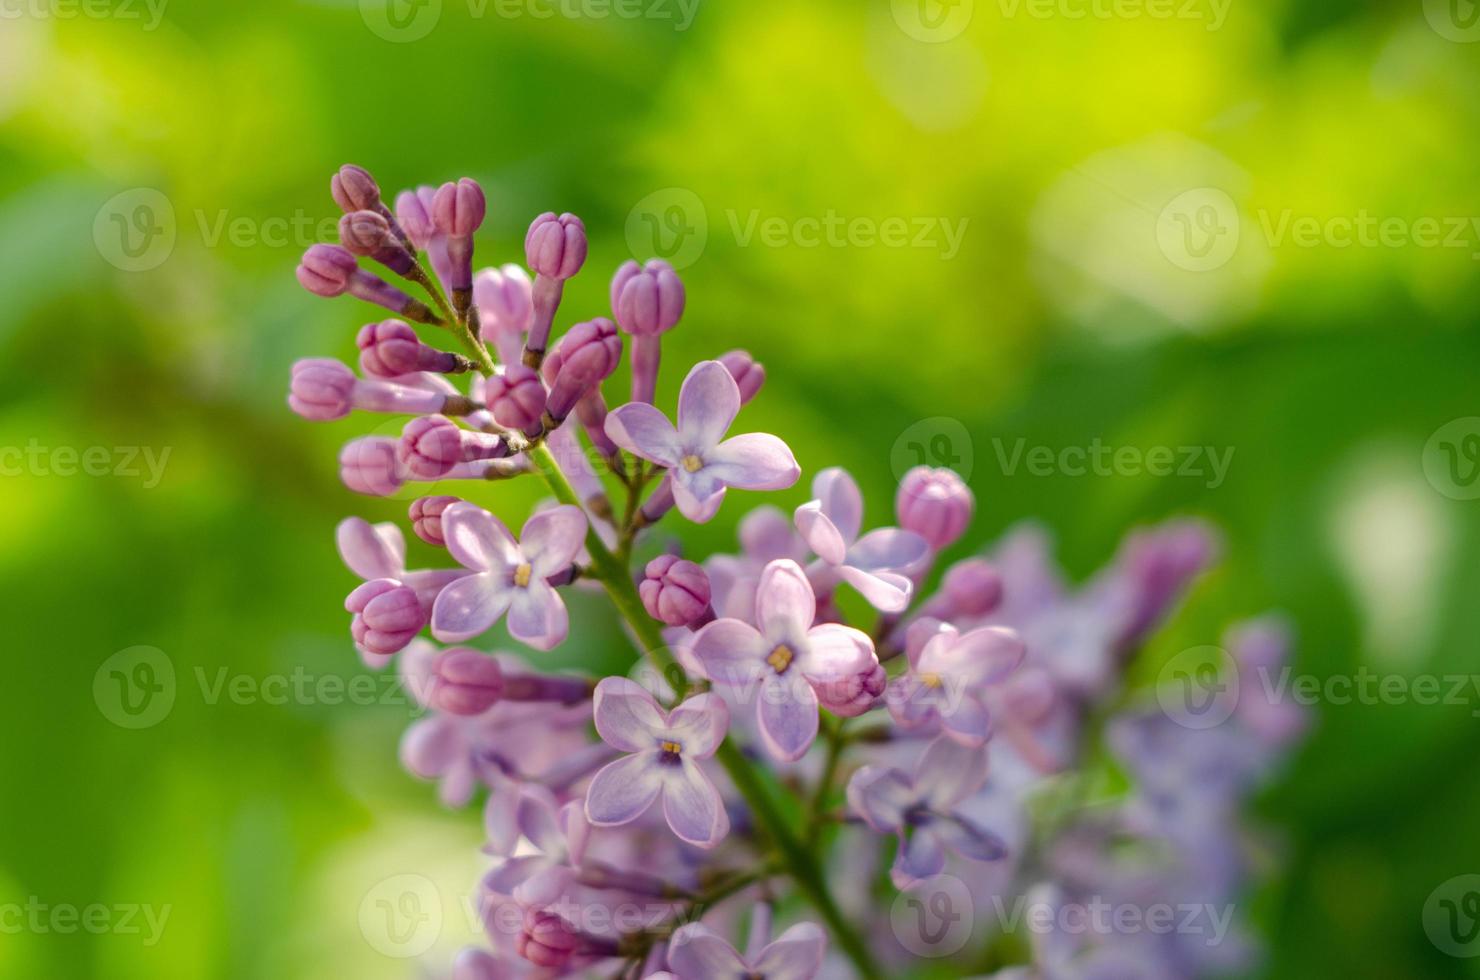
column 821, row 535
column 968, row 839
column 501, row 820
column 477, row 539
column 881, row 796
column 430, row 746
column 754, row 461
column 552, row 538
column 841, row 501
column 707, row 404
column 766, row 534
column 699, row 725
column 888, row 549
column 730, row 651
column 987, row 655
column 885, row 591
column 696, row 953
column 698, row 499
column 640, row 428
column 787, row 712
column 785, row 605
column 623, row 790
column 692, row 806
column 835, row 653
column 371, row 550
column 949, row 772
column 469, row 606
column 537, row 615
column 920, row 856
column 626, row 715
column 538, row 820
column 795, row 955
column 969, row 724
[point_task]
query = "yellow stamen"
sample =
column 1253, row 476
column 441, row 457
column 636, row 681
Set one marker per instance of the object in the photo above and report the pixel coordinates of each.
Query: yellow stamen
column 780, row 659
column 521, row 575
column 693, row 463
column 932, row 681
column 672, row 748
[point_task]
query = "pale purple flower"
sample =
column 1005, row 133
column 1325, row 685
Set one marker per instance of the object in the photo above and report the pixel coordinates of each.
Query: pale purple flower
column 700, row 465
column 665, row 752
column 788, row 663
column 393, row 605
column 923, row 810
column 510, row 575
column 949, row 674
column 766, row 534
column 504, row 296
column 934, row 503
column 874, row 564
column 696, row 953
column 674, row 591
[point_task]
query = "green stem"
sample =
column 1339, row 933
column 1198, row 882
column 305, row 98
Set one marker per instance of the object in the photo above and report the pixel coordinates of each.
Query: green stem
column 835, row 742
column 800, row 863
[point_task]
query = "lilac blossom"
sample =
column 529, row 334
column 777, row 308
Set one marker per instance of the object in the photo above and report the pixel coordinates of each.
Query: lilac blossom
column 934, row 503
column 664, row 755
column 377, row 553
column 789, row 664
column 875, row 564
column 949, row 674
column 509, row 575
column 921, row 810
column 696, row 953
column 701, row 463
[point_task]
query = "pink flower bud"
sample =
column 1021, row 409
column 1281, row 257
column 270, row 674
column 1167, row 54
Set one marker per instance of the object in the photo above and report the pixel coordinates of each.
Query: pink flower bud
column 647, row 299
column 935, row 504
column 748, row 373
column 586, row 356
column 458, row 209
column 426, row 518
column 391, row 348
column 432, row 445
column 972, row 587
column 369, row 234
column 856, row 693
column 503, row 296
column 368, row 466
column 388, row 615
column 465, row 682
column 556, row 246
column 321, row 389
column 548, row 940
column 517, row 398
column 414, row 211
column 354, row 189
column 326, row 270
column 675, row 591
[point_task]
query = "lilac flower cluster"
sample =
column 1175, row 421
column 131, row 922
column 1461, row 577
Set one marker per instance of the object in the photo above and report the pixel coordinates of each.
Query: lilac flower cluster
column 765, row 755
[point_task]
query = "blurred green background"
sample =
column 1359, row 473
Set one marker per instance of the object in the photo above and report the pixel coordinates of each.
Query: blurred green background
column 1245, row 225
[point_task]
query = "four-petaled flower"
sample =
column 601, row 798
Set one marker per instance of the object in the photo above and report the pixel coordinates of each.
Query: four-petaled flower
column 874, row 564
column 949, row 674
column 922, row 811
column 510, row 575
column 792, row 662
column 665, row 751
column 701, row 466
column 696, row 953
